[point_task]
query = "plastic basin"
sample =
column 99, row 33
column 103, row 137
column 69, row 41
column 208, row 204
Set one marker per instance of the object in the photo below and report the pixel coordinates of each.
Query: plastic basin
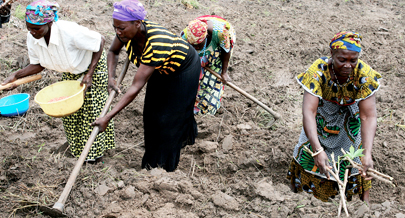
column 14, row 105
column 70, row 89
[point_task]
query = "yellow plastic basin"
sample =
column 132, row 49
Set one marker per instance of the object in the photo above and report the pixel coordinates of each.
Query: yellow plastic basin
column 63, row 107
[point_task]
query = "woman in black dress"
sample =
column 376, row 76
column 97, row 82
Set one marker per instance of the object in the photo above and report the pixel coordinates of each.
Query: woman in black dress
column 171, row 68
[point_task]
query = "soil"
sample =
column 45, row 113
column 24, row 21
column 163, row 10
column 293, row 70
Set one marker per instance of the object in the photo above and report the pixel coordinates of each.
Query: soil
column 238, row 165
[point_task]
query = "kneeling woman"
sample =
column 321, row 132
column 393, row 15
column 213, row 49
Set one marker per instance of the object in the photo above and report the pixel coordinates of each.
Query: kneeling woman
column 171, row 68
column 339, row 111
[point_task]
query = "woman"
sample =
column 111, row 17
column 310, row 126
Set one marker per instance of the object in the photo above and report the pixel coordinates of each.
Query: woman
column 214, row 38
column 339, row 111
column 66, row 47
column 171, row 68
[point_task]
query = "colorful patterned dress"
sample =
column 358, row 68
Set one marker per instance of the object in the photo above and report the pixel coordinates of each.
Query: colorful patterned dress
column 338, row 126
column 210, row 89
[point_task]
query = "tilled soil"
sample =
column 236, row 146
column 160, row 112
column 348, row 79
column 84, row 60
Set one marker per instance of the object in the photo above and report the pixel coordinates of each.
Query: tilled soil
column 238, row 165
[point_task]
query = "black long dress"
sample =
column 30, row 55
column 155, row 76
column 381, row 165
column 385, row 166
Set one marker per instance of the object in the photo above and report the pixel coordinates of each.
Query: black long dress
column 168, row 116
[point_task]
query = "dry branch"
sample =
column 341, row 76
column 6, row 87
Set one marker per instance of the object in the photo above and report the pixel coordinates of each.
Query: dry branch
column 371, row 172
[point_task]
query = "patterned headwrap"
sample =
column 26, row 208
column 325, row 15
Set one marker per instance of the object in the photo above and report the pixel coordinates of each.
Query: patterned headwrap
column 196, row 32
column 129, row 10
column 41, row 12
column 346, row 40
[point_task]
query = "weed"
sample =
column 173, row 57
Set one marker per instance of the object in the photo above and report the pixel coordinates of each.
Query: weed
column 19, row 12
column 40, row 147
column 191, row 3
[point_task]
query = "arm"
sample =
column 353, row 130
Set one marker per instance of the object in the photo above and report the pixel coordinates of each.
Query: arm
column 309, row 109
column 368, row 117
column 112, row 61
column 27, row 71
column 141, row 77
column 225, row 56
column 88, row 78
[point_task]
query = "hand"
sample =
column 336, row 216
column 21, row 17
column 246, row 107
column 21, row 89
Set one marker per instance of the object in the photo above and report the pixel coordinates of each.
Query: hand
column 87, row 80
column 367, row 162
column 322, row 162
column 10, row 79
column 112, row 85
column 225, row 78
column 102, row 123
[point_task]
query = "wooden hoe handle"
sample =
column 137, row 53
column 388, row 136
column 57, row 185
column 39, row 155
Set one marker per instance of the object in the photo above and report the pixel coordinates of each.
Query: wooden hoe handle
column 62, row 199
column 275, row 114
column 21, row 81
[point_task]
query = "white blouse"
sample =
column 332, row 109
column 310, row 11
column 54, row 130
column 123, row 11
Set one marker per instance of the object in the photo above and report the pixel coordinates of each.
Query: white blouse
column 70, row 48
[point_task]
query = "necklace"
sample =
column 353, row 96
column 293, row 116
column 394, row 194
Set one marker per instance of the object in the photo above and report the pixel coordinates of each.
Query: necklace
column 203, row 50
column 337, row 80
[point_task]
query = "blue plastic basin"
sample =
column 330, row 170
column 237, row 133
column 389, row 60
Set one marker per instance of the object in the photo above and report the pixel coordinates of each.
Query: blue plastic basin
column 14, row 105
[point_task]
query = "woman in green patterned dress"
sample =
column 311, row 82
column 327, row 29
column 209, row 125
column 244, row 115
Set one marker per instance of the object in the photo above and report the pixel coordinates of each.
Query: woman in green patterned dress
column 213, row 37
column 339, row 111
column 76, row 51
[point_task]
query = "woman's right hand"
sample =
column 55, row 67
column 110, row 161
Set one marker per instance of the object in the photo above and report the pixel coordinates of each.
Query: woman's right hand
column 102, row 123
column 112, row 85
column 8, row 80
column 322, row 162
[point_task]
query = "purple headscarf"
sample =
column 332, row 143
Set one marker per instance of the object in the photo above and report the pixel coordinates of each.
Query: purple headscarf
column 129, row 10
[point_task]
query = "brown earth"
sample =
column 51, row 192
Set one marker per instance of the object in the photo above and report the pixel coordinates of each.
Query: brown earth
column 237, row 167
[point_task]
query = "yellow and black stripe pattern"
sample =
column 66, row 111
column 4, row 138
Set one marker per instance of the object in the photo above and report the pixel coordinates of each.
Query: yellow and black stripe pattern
column 163, row 49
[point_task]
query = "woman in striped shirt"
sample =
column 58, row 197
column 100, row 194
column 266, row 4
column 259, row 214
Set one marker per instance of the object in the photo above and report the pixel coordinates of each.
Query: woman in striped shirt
column 171, row 68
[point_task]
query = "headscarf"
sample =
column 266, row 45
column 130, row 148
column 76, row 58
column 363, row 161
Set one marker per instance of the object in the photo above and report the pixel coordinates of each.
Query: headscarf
column 196, row 32
column 129, row 10
column 346, row 40
column 41, row 12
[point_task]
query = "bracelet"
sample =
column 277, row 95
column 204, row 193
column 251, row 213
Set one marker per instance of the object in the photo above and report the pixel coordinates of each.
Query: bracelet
column 317, row 152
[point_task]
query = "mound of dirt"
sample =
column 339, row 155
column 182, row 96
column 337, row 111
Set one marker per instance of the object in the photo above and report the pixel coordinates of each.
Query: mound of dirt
column 237, row 167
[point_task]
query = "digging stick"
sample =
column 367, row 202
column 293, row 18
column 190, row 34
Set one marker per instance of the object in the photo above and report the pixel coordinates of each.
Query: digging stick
column 275, row 114
column 21, row 81
column 62, row 199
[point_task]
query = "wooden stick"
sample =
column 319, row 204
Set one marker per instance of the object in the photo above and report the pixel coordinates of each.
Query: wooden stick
column 275, row 114
column 369, row 172
column 60, row 204
column 341, row 186
column 21, row 81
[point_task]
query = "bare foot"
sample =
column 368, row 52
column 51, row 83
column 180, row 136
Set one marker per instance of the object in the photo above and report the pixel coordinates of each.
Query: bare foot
column 366, row 197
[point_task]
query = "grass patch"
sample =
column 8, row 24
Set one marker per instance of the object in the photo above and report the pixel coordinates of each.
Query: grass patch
column 19, row 12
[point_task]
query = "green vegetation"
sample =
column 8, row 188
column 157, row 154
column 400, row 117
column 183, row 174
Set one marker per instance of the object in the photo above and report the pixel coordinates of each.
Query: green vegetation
column 19, row 12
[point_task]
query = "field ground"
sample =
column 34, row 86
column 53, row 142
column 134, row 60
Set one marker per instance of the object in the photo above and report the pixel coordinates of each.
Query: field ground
column 237, row 167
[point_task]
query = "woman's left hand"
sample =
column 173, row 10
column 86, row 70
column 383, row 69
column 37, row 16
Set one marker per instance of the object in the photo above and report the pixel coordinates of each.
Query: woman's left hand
column 102, row 123
column 87, row 80
column 367, row 162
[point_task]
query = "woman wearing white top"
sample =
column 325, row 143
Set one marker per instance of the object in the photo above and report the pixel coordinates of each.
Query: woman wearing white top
column 77, row 52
